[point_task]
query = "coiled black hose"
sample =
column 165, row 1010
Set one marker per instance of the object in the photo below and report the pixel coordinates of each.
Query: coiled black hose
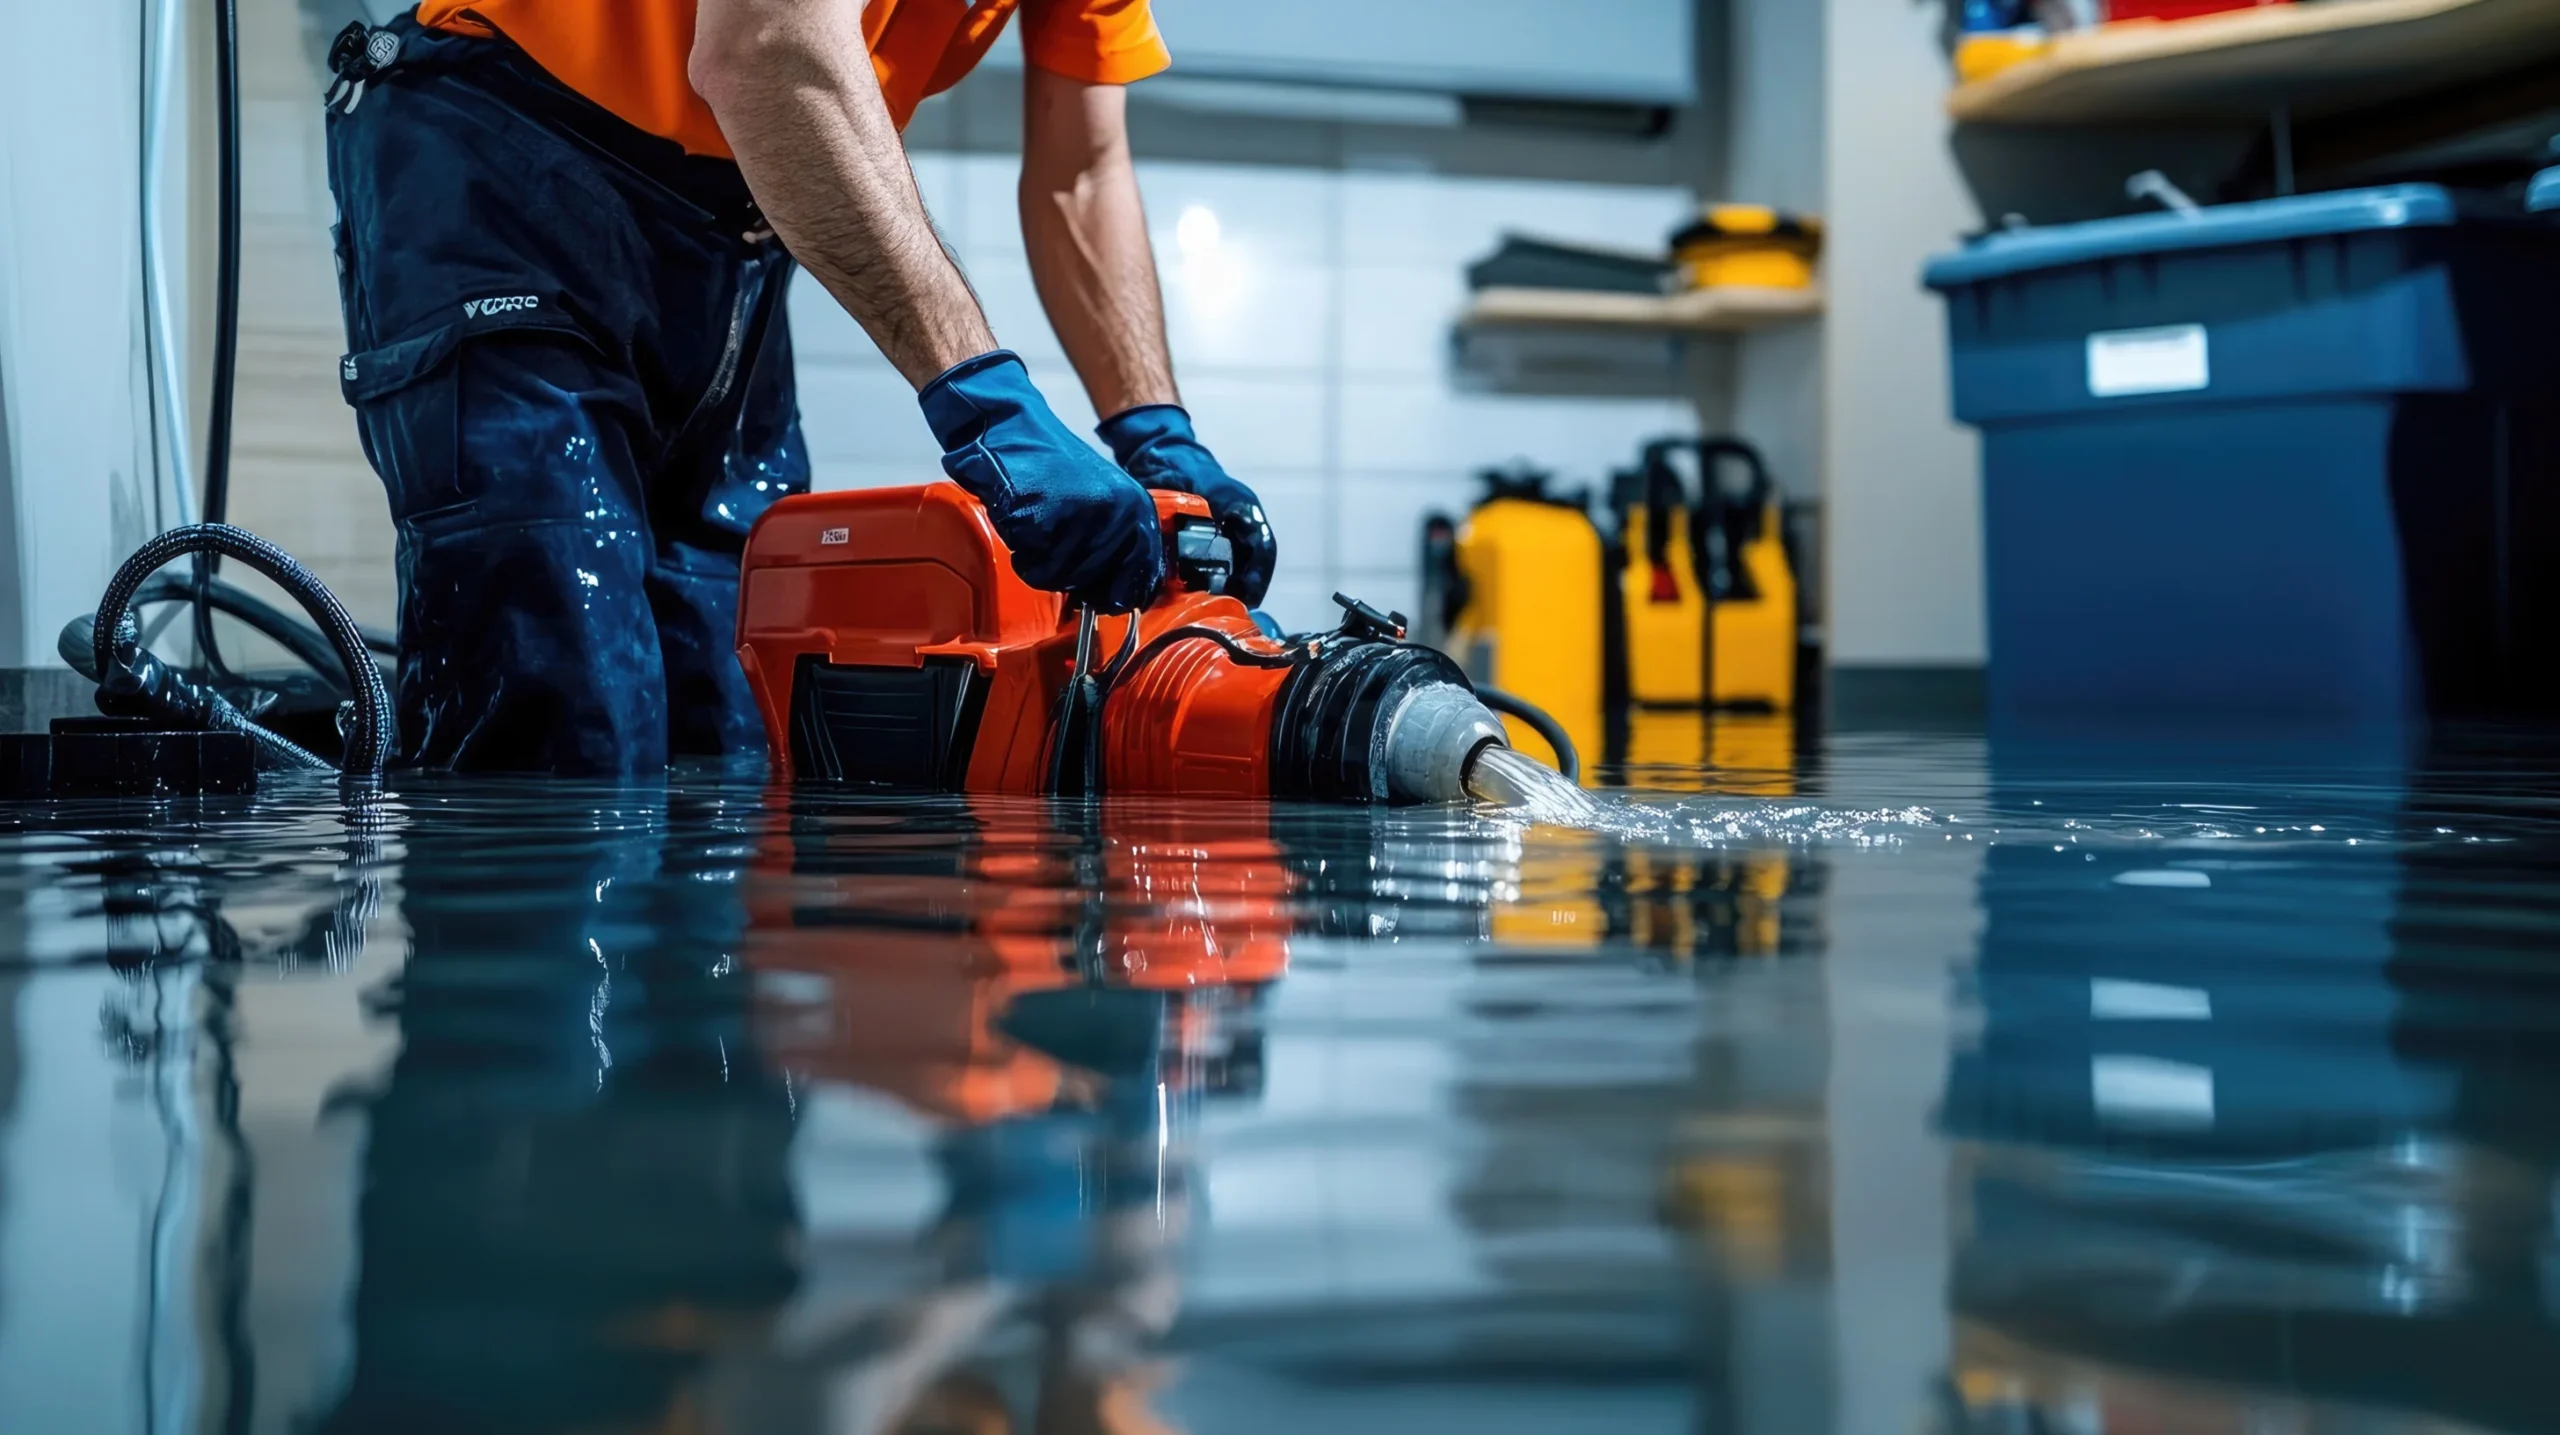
column 1568, row 761
column 123, row 668
column 290, row 633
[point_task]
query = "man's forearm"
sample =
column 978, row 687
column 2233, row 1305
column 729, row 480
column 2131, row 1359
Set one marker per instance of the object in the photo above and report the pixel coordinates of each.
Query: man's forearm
column 1086, row 230
column 792, row 86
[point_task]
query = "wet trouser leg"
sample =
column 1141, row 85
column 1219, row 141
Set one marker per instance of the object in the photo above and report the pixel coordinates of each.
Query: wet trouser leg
column 571, row 367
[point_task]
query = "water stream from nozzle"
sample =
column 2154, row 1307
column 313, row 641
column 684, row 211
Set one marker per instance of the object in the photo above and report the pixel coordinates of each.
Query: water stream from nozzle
column 1512, row 779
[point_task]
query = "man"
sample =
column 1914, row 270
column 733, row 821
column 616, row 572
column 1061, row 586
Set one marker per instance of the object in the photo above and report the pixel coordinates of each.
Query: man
column 567, row 228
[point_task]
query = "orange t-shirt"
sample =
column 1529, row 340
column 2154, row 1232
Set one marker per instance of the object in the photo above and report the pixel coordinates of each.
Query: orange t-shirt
column 629, row 55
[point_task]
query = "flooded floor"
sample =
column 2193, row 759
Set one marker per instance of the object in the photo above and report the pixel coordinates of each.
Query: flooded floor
column 1899, row 1084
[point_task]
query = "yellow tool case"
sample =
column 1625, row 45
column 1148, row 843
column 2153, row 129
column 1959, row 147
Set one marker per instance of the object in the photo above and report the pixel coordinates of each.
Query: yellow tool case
column 1703, row 612
column 1518, row 601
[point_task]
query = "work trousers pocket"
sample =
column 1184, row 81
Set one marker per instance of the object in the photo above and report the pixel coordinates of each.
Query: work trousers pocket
column 408, row 398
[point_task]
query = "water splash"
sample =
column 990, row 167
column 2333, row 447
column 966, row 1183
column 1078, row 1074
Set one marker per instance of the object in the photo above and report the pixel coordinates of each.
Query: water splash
column 1530, row 789
column 1529, row 792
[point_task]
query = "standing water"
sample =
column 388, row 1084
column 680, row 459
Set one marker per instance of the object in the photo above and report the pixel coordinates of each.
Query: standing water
column 1905, row 1084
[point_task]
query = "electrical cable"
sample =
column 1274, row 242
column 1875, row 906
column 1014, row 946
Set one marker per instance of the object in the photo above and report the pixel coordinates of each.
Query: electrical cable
column 1568, row 760
column 226, row 319
column 1293, row 656
column 1072, row 717
column 1076, row 721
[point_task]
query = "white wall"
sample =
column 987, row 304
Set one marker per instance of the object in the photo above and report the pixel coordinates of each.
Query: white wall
column 76, row 484
column 1775, row 126
column 1904, row 541
column 298, row 472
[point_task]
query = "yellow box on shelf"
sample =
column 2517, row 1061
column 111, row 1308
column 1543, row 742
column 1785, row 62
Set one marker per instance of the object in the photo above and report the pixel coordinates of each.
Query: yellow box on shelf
column 1748, row 246
column 2315, row 59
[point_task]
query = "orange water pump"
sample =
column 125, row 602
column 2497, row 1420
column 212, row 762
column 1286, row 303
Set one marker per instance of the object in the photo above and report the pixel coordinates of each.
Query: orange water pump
column 889, row 643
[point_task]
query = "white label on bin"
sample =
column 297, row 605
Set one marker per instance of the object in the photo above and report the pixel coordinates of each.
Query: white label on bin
column 2175, row 360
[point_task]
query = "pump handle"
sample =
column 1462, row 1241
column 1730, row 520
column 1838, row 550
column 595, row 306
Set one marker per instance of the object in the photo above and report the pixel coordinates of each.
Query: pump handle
column 1198, row 558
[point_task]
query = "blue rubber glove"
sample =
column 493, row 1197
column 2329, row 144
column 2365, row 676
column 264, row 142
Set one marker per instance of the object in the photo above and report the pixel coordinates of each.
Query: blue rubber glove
column 1155, row 444
column 1076, row 525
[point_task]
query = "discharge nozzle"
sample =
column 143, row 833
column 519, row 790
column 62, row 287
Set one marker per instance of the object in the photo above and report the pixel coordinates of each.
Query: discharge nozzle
column 1433, row 743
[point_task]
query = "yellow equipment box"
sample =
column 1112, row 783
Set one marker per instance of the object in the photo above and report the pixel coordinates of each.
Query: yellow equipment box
column 1756, row 637
column 1706, row 596
column 1748, row 246
column 1666, row 608
column 1526, row 614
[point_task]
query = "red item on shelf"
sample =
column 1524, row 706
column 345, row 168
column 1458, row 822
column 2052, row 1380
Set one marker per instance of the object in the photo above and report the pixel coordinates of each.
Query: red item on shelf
column 2179, row 9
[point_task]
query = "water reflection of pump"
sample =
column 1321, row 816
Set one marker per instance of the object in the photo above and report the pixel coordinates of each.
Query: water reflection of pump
column 1057, row 1015
column 1193, row 909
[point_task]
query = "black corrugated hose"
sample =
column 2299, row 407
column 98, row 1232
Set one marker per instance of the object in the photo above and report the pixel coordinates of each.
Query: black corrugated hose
column 124, row 669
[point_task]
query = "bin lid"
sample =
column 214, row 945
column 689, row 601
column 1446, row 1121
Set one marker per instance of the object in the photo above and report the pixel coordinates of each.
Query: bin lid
column 2221, row 226
column 2544, row 195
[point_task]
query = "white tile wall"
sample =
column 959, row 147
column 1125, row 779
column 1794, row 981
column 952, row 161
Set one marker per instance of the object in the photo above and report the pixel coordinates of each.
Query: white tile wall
column 1301, row 508
column 864, row 414
column 1382, row 531
column 1310, row 320
column 1396, row 319
column 1410, row 218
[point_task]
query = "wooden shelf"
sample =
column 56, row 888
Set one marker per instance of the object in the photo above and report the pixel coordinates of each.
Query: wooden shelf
column 2319, row 56
column 1699, row 311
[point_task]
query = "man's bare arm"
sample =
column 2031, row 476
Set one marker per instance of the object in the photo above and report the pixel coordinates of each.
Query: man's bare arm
column 1086, row 230
column 792, row 86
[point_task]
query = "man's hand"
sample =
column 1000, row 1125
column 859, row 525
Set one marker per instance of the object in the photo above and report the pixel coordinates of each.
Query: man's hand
column 1075, row 523
column 1155, row 446
column 792, row 86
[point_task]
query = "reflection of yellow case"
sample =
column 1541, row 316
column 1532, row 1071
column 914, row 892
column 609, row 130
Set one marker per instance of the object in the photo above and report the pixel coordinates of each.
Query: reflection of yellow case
column 1556, row 906
column 1753, row 753
column 1758, row 925
column 1531, row 624
column 1739, row 1199
column 1666, row 640
column 1668, row 738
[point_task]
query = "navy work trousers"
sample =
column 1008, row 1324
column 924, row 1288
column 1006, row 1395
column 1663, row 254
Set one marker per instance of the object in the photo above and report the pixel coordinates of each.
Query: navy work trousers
column 570, row 362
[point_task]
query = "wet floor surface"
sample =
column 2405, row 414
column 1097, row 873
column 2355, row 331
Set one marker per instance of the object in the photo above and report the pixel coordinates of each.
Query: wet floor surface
column 1903, row 1084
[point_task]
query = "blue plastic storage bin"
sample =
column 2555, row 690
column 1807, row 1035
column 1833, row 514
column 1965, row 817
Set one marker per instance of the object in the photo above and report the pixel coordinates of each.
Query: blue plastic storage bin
column 2291, row 460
